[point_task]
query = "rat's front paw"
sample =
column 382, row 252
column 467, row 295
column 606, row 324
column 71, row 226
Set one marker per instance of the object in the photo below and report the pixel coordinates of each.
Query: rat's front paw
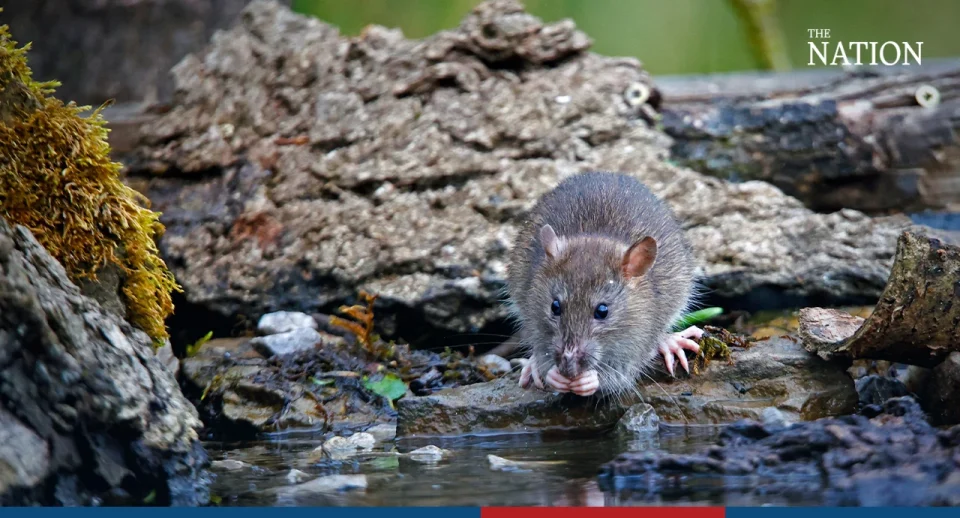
column 583, row 385
column 675, row 343
column 556, row 381
column 529, row 375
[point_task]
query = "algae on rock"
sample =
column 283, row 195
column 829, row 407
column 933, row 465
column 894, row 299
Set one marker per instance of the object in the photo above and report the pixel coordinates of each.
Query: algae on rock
column 57, row 179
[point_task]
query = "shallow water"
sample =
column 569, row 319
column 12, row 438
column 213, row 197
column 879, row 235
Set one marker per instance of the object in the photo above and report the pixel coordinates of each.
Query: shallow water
column 466, row 478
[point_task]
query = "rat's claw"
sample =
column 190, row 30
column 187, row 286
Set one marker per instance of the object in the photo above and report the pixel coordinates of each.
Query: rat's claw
column 528, row 374
column 585, row 384
column 667, row 353
column 675, row 343
column 691, row 332
column 557, row 381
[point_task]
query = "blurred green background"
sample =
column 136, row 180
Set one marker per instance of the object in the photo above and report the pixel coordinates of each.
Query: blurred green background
column 683, row 36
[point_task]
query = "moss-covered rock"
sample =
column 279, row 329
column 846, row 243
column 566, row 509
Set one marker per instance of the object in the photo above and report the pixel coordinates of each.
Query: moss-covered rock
column 57, row 179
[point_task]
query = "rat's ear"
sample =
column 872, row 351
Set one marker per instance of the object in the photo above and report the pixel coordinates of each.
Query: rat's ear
column 552, row 244
column 639, row 258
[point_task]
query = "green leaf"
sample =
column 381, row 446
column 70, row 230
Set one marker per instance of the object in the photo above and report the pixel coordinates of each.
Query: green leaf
column 696, row 317
column 195, row 346
column 322, row 382
column 389, row 386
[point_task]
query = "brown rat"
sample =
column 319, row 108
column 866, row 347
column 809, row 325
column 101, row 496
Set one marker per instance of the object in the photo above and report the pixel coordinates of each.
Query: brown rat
column 599, row 272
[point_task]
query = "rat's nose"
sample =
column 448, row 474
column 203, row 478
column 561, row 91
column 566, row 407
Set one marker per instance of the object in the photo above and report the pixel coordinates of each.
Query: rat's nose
column 568, row 364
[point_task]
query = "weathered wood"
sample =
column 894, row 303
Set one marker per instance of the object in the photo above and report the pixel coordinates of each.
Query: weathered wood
column 916, row 321
column 833, row 141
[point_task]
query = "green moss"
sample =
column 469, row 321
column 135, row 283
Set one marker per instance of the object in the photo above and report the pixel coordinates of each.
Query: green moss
column 57, row 179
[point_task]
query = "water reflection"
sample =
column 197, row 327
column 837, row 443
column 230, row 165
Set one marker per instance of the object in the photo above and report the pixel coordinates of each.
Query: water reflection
column 465, row 478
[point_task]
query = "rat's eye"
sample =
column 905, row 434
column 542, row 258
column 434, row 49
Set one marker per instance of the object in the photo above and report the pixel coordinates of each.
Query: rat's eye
column 601, row 312
column 555, row 307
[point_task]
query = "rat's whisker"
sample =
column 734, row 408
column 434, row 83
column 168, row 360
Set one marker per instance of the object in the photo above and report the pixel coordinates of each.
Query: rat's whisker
column 671, row 398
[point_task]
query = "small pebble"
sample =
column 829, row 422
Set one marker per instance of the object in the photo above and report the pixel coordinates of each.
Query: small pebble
column 362, row 441
column 772, row 417
column 291, row 342
column 495, row 364
column 295, row 476
column 639, row 419
column 383, row 432
column 428, row 454
column 285, row 321
column 229, row 465
column 500, row 463
column 335, row 444
column 327, row 484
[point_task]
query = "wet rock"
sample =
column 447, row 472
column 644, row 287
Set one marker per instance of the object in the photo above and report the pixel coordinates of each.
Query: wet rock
column 639, row 419
column 229, row 465
column 362, row 441
column 874, row 390
column 285, row 321
column 166, row 357
column 502, row 406
column 292, row 342
column 338, row 444
column 383, row 432
column 295, row 476
column 502, row 464
column 775, row 372
column 401, row 167
column 326, row 484
column 824, row 329
column 246, row 397
column 81, row 384
column 942, row 399
column 893, row 458
column 496, row 364
column 341, row 447
column 773, row 418
column 242, row 395
column 428, row 454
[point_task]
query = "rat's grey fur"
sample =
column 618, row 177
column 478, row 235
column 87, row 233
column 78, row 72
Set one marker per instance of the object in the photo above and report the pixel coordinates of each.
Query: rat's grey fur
column 597, row 216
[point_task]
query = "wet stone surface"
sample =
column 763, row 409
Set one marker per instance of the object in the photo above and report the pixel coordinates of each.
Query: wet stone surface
column 776, row 372
column 888, row 456
column 502, row 406
column 240, row 394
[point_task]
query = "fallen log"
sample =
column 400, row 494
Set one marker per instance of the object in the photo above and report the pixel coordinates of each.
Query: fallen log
column 884, row 142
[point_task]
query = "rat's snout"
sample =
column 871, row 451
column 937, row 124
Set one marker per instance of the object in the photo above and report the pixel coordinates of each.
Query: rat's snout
column 568, row 361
